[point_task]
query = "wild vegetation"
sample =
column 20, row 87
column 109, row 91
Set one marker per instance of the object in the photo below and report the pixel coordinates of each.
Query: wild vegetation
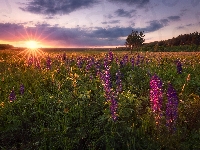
column 100, row 100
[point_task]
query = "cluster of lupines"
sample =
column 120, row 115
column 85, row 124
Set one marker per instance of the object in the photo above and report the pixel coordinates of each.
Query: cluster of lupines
column 171, row 108
column 12, row 95
column 80, row 62
column 32, row 60
column 124, row 61
column 156, row 97
column 90, row 63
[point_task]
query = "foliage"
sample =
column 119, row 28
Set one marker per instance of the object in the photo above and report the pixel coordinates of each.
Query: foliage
column 135, row 39
column 186, row 42
column 67, row 102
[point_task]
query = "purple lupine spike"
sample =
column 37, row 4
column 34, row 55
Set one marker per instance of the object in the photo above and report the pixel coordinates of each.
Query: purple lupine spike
column 30, row 60
column 138, row 60
column 110, row 55
column 48, row 63
column 113, row 106
column 64, row 57
column 12, row 96
column 118, row 82
column 22, row 89
column 37, row 63
column 132, row 60
column 156, row 97
column 171, row 108
column 80, row 62
column 179, row 67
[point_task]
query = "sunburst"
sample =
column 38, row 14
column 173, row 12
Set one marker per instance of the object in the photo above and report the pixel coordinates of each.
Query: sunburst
column 32, row 41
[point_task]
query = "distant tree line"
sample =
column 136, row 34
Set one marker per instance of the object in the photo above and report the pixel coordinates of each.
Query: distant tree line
column 183, row 42
column 5, row 46
column 186, row 42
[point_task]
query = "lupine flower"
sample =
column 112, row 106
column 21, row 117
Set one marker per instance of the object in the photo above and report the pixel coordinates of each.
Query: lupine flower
column 64, row 56
column 107, row 83
column 109, row 94
column 124, row 61
column 12, row 96
column 138, row 60
column 110, row 56
column 113, row 106
column 118, row 82
column 22, row 89
column 132, row 60
column 179, row 67
column 30, row 60
column 80, row 62
column 48, row 63
column 171, row 108
column 156, row 97
column 37, row 63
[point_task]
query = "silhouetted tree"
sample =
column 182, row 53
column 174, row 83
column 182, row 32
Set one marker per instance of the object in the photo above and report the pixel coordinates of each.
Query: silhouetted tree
column 135, row 39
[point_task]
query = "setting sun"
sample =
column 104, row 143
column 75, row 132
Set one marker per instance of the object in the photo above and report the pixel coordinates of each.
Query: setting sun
column 32, row 44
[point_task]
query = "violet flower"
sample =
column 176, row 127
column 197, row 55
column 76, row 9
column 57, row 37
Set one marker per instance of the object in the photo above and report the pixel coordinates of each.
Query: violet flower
column 113, row 106
column 171, row 108
column 48, row 63
column 12, row 96
column 64, row 57
column 156, row 97
column 179, row 67
column 132, row 60
column 118, row 82
column 110, row 56
column 22, row 89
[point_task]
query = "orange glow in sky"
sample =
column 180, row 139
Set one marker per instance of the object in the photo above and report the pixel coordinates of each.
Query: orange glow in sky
column 32, row 44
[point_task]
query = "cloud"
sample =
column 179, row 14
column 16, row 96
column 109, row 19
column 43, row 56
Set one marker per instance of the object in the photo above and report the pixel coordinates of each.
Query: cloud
column 139, row 3
column 123, row 13
column 53, row 7
column 10, row 30
column 111, row 22
column 165, row 22
column 174, row 18
column 154, row 25
column 74, row 37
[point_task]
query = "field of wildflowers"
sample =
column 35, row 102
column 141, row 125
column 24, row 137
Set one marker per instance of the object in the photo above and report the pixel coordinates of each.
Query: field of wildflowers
column 99, row 100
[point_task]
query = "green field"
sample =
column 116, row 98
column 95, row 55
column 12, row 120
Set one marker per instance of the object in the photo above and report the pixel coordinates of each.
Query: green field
column 99, row 100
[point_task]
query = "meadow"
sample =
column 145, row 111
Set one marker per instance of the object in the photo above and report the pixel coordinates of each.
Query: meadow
column 99, row 100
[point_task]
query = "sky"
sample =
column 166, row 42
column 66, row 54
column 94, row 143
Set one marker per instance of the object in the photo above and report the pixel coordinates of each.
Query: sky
column 94, row 23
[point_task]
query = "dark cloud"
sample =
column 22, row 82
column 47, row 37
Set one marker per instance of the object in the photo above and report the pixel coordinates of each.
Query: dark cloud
column 174, row 18
column 164, row 21
column 154, row 25
column 53, row 7
column 111, row 22
column 123, row 13
column 139, row 3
